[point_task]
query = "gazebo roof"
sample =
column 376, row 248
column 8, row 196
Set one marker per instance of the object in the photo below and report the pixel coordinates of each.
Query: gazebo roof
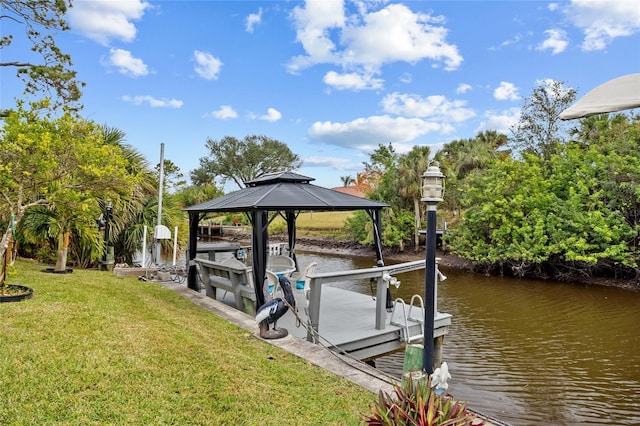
column 285, row 191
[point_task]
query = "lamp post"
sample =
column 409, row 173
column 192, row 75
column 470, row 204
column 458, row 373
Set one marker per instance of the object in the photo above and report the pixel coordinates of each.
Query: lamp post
column 432, row 194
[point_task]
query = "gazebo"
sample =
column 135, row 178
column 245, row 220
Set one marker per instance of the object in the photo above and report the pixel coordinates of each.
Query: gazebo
column 284, row 194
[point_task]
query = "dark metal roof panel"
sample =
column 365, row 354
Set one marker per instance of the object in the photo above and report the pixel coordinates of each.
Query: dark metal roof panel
column 285, row 195
column 279, row 177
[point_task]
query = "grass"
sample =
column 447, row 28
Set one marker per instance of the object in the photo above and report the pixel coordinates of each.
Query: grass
column 323, row 220
column 316, row 224
column 92, row 348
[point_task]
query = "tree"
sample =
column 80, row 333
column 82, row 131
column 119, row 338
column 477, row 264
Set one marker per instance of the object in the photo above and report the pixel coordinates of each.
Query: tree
column 617, row 137
column 411, row 167
column 196, row 194
column 382, row 169
column 539, row 130
column 394, row 179
column 48, row 70
column 463, row 159
column 57, row 230
column 561, row 217
column 244, row 160
column 139, row 206
column 173, row 177
column 346, row 180
column 61, row 164
column 365, row 182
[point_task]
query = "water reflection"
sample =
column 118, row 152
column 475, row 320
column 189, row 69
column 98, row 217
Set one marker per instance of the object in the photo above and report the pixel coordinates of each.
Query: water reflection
column 531, row 352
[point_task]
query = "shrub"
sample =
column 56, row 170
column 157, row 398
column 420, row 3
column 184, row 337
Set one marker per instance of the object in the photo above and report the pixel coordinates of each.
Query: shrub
column 415, row 402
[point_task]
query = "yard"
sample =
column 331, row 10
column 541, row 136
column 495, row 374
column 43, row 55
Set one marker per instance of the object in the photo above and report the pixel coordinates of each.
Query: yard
column 92, row 348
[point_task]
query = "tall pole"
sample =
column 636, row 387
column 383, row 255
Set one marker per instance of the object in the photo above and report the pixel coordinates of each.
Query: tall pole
column 160, row 185
column 429, row 288
column 107, row 218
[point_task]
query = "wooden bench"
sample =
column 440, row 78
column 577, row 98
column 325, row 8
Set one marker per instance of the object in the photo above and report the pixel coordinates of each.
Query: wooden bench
column 230, row 275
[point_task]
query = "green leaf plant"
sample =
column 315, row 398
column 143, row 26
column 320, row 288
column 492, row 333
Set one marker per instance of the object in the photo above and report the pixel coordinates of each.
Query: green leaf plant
column 415, row 402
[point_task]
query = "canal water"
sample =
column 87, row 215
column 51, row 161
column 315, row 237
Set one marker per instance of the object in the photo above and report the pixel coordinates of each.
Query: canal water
column 531, row 352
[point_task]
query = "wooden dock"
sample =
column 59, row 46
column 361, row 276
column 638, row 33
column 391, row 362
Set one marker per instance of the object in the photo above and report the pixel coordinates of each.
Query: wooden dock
column 351, row 322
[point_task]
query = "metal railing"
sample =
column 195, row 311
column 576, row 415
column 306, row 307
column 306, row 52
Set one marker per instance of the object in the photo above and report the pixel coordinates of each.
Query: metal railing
column 318, row 279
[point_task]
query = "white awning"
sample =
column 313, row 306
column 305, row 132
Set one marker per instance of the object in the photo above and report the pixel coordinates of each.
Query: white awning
column 615, row 95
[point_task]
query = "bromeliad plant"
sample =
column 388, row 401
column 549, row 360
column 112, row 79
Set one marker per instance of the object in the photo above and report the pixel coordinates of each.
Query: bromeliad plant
column 416, row 402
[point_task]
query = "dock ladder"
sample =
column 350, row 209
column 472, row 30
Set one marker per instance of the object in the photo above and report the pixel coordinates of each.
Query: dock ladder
column 406, row 318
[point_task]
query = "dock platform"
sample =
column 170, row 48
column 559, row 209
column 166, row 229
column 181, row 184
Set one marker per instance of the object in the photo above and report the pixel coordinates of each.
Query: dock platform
column 351, row 322
column 348, row 324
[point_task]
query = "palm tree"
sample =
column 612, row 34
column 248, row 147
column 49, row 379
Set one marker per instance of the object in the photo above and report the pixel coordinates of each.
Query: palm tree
column 411, row 167
column 465, row 158
column 129, row 218
column 67, row 228
column 140, row 208
column 346, row 180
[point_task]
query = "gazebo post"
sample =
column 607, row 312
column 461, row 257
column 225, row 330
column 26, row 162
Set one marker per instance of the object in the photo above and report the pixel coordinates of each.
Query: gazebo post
column 291, row 232
column 377, row 234
column 377, row 237
column 259, row 237
column 192, row 272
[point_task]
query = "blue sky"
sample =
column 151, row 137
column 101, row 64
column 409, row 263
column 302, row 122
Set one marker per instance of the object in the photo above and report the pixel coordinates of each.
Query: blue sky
column 332, row 79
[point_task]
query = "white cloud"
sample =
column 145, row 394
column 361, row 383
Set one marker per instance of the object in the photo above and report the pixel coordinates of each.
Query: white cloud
column 126, row 63
column 271, row 115
column 406, row 78
column 352, row 81
column 603, row 21
column 313, row 25
column 501, row 121
column 103, row 20
column 506, row 92
column 368, row 133
column 336, row 163
column 153, row 102
column 463, row 88
column 508, row 42
column 225, row 112
column 369, row 39
column 395, row 33
column 556, row 41
column 207, row 65
column 435, row 107
column 252, row 20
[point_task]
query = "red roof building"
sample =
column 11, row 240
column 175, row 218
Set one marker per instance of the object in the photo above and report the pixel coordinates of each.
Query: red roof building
column 350, row 190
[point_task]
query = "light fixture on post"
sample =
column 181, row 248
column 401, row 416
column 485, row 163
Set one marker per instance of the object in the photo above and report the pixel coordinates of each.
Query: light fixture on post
column 432, row 194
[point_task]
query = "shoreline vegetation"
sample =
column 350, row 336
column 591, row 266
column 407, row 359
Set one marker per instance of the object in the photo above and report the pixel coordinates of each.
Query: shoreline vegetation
column 344, row 247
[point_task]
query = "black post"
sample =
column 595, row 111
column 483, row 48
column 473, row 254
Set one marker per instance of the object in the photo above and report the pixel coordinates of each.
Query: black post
column 259, row 238
column 429, row 288
column 192, row 271
column 107, row 217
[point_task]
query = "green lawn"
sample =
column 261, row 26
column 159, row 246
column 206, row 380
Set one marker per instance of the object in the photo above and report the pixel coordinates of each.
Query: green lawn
column 323, row 220
column 326, row 224
column 91, row 348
